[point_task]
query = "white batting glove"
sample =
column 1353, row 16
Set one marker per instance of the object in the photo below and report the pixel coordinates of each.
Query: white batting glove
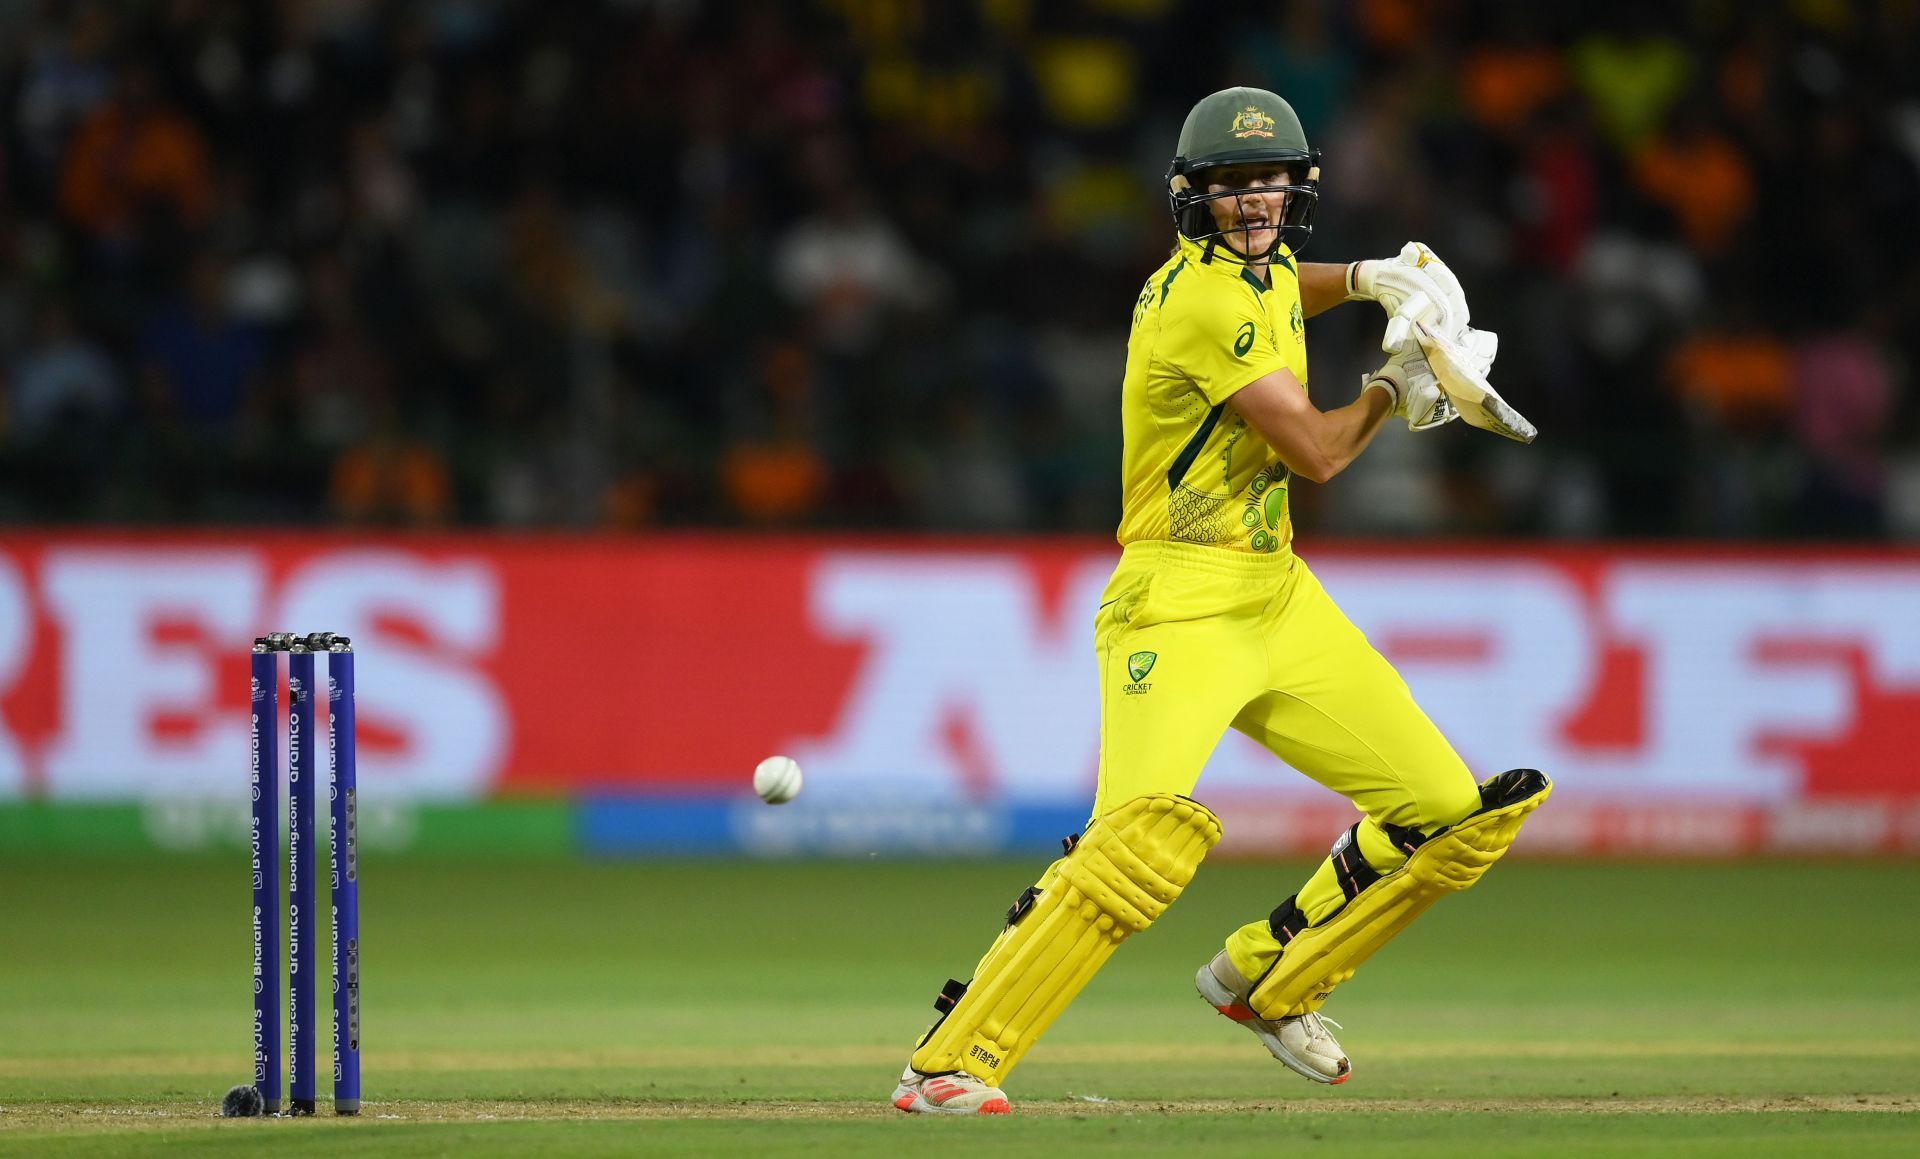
column 1477, row 348
column 1415, row 269
column 1480, row 347
column 1407, row 377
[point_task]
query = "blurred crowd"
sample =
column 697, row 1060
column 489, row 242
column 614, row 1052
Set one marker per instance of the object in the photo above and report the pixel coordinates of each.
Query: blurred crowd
column 869, row 263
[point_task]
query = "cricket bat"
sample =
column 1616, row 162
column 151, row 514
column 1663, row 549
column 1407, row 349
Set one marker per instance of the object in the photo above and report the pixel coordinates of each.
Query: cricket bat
column 1476, row 400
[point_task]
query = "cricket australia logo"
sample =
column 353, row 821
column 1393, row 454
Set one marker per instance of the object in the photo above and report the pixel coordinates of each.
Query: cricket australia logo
column 1251, row 122
column 1138, row 665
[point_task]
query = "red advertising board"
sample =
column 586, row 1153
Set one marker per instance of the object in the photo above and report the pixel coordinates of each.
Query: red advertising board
column 1733, row 682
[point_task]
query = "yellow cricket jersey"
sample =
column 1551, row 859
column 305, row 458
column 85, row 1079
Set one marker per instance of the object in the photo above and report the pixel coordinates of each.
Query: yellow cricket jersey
column 1192, row 469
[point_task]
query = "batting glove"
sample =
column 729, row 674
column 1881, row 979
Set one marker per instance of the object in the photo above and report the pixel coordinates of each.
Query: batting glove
column 1416, row 269
column 1407, row 377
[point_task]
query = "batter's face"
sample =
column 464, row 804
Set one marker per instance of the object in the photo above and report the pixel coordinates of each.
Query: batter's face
column 1250, row 223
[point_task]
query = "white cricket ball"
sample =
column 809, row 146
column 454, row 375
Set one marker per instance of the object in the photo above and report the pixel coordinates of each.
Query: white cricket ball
column 777, row 780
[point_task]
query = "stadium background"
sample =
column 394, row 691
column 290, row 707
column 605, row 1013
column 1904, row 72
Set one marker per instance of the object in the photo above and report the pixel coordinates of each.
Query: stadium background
column 654, row 386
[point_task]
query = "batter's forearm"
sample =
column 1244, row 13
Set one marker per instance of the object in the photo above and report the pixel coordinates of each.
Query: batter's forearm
column 1323, row 285
column 1317, row 445
column 1352, row 427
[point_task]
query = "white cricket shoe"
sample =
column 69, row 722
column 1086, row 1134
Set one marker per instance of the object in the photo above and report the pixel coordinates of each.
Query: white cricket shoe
column 1302, row 1042
column 958, row 1093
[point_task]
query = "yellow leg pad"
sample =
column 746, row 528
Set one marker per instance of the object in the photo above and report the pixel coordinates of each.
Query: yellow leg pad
column 1126, row 870
column 1323, row 956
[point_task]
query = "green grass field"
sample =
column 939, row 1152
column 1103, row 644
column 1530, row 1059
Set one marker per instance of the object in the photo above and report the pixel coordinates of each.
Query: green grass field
column 765, row 1009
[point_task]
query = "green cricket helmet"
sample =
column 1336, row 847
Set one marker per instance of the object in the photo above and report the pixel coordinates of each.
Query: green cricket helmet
column 1243, row 126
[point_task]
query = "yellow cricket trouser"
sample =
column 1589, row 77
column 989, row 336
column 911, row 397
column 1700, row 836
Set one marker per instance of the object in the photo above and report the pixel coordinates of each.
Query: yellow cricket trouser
column 1193, row 639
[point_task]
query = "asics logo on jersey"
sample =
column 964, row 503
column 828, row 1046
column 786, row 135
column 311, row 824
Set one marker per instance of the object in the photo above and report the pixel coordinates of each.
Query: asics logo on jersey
column 1243, row 341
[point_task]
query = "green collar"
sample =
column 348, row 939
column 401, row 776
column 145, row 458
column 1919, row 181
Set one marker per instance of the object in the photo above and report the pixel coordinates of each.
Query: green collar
column 1229, row 263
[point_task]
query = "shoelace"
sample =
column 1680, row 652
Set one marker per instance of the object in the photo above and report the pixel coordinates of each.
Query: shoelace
column 1317, row 1024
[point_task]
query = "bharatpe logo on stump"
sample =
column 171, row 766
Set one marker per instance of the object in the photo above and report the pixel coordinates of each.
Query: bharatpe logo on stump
column 1138, row 665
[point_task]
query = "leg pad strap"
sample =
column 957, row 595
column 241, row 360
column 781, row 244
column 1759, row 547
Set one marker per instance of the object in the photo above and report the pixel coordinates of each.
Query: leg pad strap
column 1315, row 959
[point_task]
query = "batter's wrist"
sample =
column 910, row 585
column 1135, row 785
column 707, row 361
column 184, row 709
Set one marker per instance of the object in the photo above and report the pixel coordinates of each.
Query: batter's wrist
column 1382, row 382
column 1352, row 282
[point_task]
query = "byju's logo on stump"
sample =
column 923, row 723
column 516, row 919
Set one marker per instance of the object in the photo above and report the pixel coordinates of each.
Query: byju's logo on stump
column 1138, row 665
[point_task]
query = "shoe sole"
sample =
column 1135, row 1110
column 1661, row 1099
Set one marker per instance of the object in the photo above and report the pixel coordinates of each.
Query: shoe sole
column 1230, row 1007
column 914, row 1103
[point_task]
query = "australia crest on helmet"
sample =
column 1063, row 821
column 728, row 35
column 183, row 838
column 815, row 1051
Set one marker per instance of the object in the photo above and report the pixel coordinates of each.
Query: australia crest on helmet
column 1251, row 121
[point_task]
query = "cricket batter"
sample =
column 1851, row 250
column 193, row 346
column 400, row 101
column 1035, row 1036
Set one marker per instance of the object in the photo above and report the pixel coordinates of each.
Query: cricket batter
column 1211, row 621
